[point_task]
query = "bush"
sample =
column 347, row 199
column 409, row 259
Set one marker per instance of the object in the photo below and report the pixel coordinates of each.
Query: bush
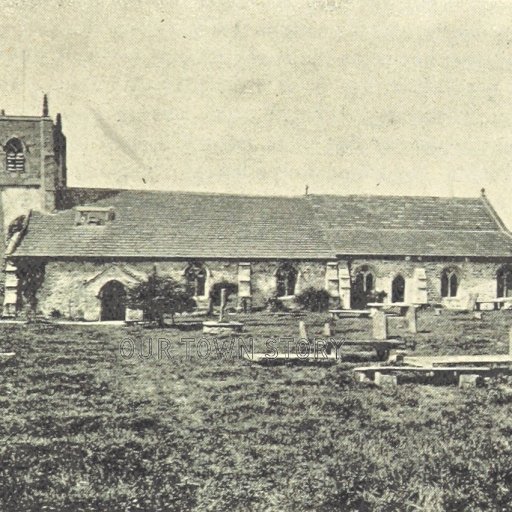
column 274, row 304
column 55, row 313
column 376, row 296
column 314, row 299
column 158, row 296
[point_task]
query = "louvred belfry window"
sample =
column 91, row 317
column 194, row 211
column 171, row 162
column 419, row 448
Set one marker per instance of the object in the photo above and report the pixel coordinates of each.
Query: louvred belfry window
column 14, row 155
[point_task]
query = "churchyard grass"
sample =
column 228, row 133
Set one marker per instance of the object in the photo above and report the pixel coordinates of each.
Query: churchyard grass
column 87, row 427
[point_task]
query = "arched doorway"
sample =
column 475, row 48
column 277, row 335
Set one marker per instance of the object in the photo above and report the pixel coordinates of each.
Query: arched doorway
column 504, row 281
column 362, row 286
column 398, row 289
column 113, row 301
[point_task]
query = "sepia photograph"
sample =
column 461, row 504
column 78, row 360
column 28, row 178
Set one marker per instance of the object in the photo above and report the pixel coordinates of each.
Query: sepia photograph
column 256, row 256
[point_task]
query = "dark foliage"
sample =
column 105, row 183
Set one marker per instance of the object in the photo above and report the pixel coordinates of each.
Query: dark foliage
column 376, row 296
column 314, row 299
column 158, row 296
column 15, row 226
column 274, row 304
column 215, row 292
column 31, row 277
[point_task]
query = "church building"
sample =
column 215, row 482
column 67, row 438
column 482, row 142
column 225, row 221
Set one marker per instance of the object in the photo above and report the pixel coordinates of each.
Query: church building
column 74, row 252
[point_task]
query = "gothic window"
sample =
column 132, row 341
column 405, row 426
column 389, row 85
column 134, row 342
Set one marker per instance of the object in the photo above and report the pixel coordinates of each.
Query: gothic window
column 195, row 274
column 362, row 287
column 366, row 278
column 14, row 156
column 398, row 289
column 449, row 283
column 286, row 280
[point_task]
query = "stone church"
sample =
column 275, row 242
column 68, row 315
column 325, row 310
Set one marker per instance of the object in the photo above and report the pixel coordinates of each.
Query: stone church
column 79, row 250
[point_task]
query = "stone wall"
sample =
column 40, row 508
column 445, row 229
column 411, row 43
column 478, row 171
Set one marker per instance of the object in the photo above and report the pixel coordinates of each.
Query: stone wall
column 474, row 278
column 72, row 287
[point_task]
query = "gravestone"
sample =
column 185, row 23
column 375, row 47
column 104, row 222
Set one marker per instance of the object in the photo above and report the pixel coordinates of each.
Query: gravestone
column 468, row 380
column 385, row 381
column 303, row 334
column 327, row 330
column 412, row 319
column 380, row 325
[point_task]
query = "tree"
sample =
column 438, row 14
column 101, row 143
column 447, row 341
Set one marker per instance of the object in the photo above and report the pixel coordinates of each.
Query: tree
column 158, row 296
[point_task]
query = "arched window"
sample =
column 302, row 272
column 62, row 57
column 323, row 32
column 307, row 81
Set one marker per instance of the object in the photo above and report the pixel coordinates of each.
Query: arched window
column 398, row 289
column 286, row 280
column 363, row 285
column 449, row 282
column 14, row 156
column 504, row 281
column 195, row 274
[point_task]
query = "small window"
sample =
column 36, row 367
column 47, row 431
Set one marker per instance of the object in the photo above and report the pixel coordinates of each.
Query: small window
column 93, row 216
column 449, row 283
column 286, row 280
column 195, row 274
column 398, row 289
column 14, row 156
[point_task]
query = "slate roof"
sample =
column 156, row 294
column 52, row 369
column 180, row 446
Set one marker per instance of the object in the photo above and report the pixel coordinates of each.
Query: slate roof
column 209, row 226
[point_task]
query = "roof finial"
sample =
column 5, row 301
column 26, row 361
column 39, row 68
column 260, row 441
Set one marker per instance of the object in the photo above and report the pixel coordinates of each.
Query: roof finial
column 483, row 191
column 307, row 190
column 45, row 105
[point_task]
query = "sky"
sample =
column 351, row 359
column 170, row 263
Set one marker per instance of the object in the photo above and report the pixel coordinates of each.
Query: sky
column 266, row 97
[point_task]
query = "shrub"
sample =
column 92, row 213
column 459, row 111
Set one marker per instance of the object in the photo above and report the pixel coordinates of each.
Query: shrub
column 274, row 304
column 16, row 226
column 55, row 313
column 314, row 299
column 376, row 296
column 158, row 296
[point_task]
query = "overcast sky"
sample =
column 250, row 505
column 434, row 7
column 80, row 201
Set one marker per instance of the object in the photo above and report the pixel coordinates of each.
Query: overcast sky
column 264, row 97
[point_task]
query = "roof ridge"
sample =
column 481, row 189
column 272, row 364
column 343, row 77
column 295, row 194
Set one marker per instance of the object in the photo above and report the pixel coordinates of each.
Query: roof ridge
column 298, row 196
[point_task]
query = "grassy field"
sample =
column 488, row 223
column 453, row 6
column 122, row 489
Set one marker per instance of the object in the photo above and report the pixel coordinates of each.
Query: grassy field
column 85, row 427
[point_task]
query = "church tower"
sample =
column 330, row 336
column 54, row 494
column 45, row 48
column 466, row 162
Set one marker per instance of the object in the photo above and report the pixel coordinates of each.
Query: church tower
column 32, row 164
column 32, row 177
